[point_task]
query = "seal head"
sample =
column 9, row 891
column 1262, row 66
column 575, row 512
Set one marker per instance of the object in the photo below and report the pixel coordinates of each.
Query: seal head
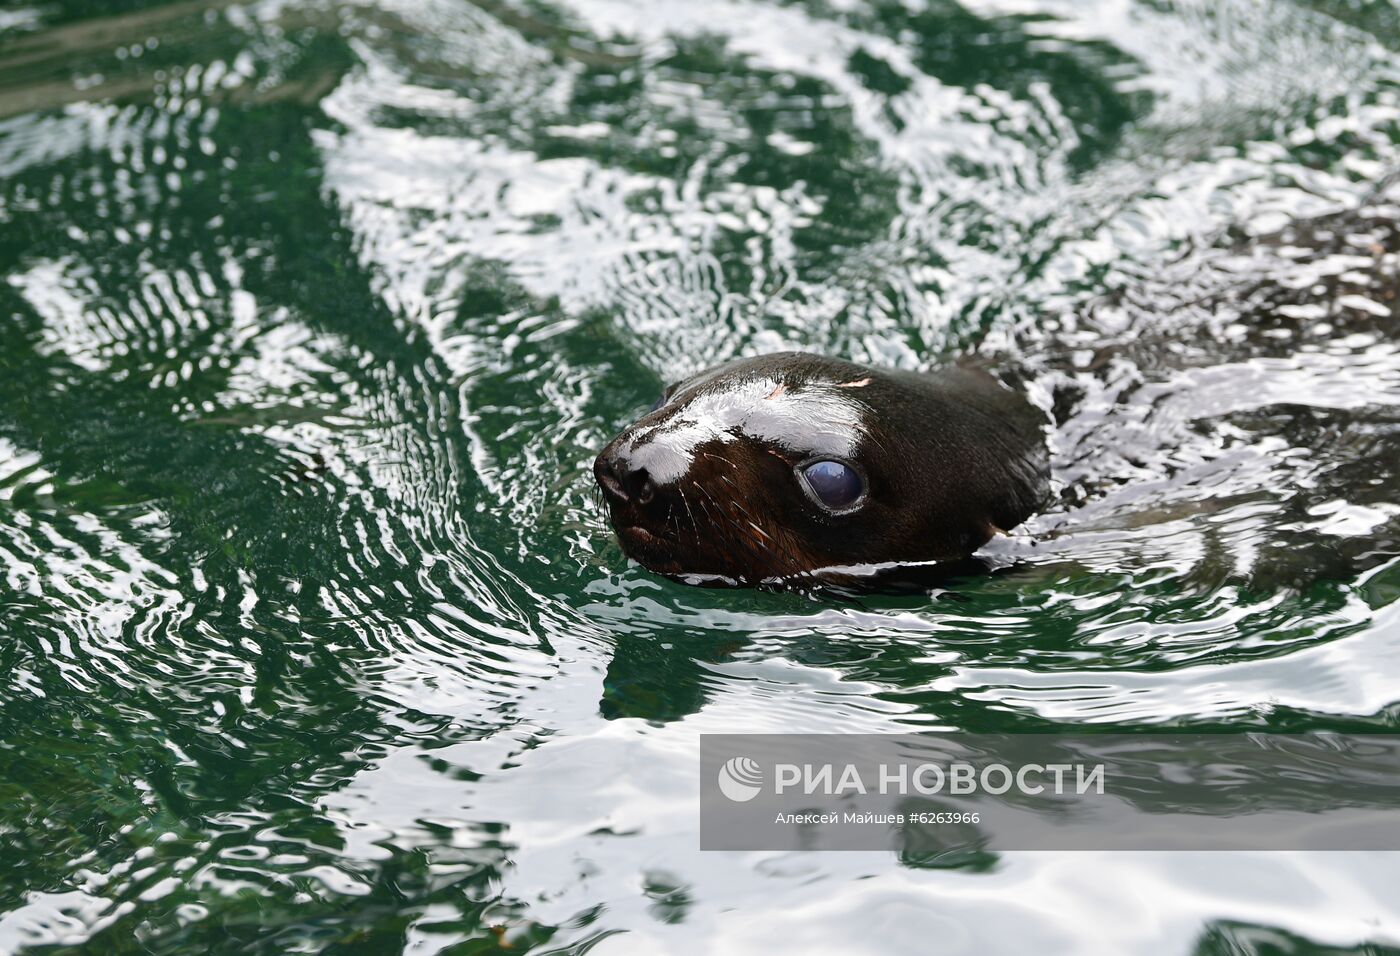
column 792, row 465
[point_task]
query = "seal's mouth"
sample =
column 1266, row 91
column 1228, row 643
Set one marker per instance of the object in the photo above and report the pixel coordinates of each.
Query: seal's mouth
column 647, row 547
column 639, row 537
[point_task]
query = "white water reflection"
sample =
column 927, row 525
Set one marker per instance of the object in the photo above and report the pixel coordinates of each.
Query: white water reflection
column 529, row 704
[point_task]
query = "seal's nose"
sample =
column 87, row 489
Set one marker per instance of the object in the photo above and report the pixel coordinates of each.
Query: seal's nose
column 622, row 479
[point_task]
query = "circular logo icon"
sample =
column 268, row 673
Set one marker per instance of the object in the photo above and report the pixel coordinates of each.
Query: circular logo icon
column 740, row 779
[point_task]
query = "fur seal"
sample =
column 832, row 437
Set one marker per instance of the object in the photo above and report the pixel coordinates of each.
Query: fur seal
column 794, row 466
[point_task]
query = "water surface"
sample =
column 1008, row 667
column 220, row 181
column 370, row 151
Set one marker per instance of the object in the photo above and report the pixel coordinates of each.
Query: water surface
column 313, row 637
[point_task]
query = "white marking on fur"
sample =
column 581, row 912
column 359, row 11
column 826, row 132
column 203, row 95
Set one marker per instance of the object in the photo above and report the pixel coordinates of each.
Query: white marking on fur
column 759, row 408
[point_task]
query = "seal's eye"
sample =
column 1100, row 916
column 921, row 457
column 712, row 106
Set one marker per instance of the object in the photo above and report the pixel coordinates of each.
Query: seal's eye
column 833, row 484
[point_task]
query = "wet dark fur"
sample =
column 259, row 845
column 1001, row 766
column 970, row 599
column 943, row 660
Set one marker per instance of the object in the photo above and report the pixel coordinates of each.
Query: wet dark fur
column 949, row 458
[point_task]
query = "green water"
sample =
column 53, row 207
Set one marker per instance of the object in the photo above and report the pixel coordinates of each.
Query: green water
column 313, row 637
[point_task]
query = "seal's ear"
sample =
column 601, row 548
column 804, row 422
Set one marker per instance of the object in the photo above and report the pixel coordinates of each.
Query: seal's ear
column 665, row 397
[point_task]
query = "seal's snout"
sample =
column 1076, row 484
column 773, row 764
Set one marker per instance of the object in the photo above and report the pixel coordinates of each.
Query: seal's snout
column 608, row 475
column 622, row 479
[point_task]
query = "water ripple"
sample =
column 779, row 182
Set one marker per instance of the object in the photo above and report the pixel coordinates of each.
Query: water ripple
column 313, row 632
